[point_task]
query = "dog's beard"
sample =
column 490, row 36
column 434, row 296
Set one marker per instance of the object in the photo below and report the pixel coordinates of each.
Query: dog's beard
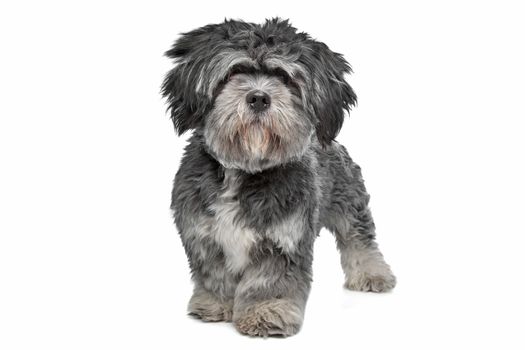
column 256, row 140
column 256, row 136
column 253, row 142
column 256, row 133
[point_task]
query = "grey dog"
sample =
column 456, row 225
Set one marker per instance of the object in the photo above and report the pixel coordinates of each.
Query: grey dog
column 262, row 174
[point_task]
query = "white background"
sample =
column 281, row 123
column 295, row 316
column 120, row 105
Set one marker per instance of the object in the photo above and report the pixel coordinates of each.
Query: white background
column 90, row 259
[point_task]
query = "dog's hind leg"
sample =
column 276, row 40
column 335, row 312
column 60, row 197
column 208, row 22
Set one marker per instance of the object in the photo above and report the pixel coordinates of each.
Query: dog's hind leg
column 349, row 218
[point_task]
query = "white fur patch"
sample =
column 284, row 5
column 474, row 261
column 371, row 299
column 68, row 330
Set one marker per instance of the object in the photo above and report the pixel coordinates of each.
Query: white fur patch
column 288, row 232
column 228, row 231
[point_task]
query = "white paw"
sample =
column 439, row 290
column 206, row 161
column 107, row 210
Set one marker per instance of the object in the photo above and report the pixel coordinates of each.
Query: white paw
column 365, row 282
column 270, row 318
column 206, row 307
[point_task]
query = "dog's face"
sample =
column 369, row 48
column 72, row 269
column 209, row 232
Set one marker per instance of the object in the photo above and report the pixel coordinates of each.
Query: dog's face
column 258, row 94
column 257, row 120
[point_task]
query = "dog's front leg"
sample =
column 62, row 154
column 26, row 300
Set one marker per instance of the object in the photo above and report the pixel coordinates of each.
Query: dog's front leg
column 271, row 296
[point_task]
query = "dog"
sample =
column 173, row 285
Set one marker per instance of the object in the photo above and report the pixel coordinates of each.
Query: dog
column 262, row 173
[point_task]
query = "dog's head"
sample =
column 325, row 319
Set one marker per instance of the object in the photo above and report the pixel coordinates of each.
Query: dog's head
column 259, row 94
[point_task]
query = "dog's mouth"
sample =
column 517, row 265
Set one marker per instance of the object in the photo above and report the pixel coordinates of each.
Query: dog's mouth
column 253, row 117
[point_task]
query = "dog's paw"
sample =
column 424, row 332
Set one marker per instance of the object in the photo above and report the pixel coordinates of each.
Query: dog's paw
column 378, row 282
column 212, row 313
column 207, row 307
column 276, row 317
column 366, row 270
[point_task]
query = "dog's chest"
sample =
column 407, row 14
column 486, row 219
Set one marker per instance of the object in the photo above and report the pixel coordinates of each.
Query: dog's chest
column 229, row 229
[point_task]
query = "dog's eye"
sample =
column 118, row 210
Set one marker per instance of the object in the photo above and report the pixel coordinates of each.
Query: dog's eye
column 281, row 74
column 240, row 69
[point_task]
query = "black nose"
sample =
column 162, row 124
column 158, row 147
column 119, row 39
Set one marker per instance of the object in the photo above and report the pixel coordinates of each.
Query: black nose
column 258, row 100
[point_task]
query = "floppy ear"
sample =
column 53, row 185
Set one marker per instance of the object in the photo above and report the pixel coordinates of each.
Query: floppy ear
column 173, row 89
column 331, row 94
column 186, row 104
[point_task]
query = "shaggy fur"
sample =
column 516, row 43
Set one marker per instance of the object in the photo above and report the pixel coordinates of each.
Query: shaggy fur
column 256, row 185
